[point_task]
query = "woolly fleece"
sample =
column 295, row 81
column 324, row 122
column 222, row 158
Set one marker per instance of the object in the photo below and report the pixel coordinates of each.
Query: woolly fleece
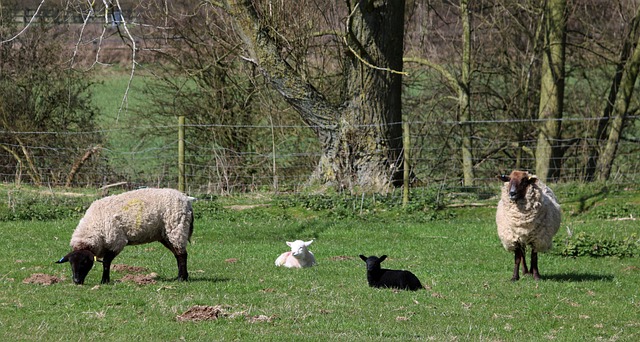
column 533, row 220
column 135, row 217
column 298, row 257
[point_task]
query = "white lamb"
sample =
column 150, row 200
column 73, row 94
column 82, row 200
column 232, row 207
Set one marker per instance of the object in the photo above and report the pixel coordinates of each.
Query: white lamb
column 528, row 214
column 131, row 218
column 299, row 256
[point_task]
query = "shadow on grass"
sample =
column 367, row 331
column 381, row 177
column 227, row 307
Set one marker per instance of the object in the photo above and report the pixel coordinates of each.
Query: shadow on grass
column 577, row 277
column 195, row 279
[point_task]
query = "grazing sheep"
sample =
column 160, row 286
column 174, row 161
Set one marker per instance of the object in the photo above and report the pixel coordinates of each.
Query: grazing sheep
column 131, row 218
column 528, row 214
column 381, row 277
column 299, row 256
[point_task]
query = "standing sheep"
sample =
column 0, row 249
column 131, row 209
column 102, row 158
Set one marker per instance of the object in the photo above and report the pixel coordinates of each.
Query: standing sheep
column 528, row 214
column 299, row 256
column 131, row 218
column 382, row 277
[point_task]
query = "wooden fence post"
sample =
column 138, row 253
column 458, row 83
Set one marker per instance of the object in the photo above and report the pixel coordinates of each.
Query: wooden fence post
column 406, row 143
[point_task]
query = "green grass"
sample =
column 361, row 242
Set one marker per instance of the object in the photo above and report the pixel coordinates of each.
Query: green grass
column 131, row 152
column 459, row 259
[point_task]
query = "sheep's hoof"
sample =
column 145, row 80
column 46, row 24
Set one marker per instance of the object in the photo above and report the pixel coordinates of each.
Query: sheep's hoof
column 515, row 278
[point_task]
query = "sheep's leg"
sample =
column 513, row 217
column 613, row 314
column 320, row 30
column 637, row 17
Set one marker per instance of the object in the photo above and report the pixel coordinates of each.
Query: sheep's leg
column 523, row 252
column 534, row 265
column 106, row 266
column 181, row 258
column 517, row 259
column 183, row 275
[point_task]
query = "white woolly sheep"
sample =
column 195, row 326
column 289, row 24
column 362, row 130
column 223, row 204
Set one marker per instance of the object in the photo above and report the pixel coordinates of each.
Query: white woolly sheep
column 381, row 277
column 299, row 256
column 528, row 214
column 131, row 218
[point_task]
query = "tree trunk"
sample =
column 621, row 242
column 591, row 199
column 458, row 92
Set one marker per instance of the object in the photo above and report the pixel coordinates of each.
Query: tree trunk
column 549, row 151
column 619, row 115
column 464, row 97
column 627, row 49
column 362, row 139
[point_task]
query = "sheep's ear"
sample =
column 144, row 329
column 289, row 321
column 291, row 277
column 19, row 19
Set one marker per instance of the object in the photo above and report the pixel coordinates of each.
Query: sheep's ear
column 533, row 179
column 289, row 243
column 308, row 243
column 63, row 259
column 382, row 258
column 364, row 258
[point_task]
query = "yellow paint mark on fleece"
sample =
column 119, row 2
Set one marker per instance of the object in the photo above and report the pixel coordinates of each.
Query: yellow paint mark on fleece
column 137, row 205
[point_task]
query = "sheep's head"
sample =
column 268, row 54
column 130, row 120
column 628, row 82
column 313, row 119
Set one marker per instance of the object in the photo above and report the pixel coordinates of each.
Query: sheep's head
column 373, row 262
column 81, row 263
column 299, row 247
column 518, row 181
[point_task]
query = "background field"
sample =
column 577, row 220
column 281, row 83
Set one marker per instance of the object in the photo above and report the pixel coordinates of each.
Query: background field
column 454, row 251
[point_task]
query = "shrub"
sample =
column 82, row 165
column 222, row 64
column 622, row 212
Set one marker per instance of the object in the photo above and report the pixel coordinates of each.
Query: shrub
column 583, row 244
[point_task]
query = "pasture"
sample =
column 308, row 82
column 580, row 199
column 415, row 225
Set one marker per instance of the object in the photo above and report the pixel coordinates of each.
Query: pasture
column 236, row 292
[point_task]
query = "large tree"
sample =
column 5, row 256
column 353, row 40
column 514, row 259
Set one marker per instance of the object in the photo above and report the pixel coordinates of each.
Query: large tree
column 361, row 136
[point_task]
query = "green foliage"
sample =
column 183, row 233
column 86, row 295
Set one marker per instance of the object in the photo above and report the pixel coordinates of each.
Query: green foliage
column 38, row 211
column 207, row 207
column 614, row 210
column 584, row 244
column 426, row 204
column 32, row 204
column 40, row 93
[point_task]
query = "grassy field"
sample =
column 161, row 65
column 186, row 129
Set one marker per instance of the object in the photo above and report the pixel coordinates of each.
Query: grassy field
column 456, row 254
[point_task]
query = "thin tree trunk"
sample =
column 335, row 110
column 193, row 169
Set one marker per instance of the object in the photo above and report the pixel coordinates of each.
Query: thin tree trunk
column 609, row 107
column 549, row 151
column 464, row 97
column 620, row 111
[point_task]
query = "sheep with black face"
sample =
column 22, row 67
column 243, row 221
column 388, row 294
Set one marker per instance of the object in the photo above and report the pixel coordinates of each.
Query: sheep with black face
column 528, row 214
column 131, row 218
column 382, row 277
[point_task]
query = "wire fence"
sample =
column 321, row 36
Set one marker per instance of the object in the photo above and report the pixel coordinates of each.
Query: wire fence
column 284, row 164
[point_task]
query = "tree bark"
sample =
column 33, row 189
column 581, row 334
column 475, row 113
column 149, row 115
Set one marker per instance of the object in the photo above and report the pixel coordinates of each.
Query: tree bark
column 620, row 109
column 362, row 138
column 628, row 47
column 464, row 97
column 549, row 151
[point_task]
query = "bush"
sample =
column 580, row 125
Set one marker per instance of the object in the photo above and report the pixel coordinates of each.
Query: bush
column 583, row 244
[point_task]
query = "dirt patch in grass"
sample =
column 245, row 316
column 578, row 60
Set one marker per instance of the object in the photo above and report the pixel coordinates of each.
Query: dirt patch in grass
column 128, row 269
column 141, row 279
column 203, row 313
column 42, row 279
column 199, row 313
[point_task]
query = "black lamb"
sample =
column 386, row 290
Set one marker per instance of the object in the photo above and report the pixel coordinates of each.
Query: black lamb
column 381, row 277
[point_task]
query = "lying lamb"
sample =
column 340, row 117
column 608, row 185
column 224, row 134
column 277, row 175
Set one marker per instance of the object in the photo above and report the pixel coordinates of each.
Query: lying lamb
column 528, row 214
column 381, row 277
column 299, row 256
column 131, row 218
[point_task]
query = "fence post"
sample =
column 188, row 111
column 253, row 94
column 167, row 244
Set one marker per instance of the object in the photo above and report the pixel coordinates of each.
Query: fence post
column 406, row 144
column 181, row 173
